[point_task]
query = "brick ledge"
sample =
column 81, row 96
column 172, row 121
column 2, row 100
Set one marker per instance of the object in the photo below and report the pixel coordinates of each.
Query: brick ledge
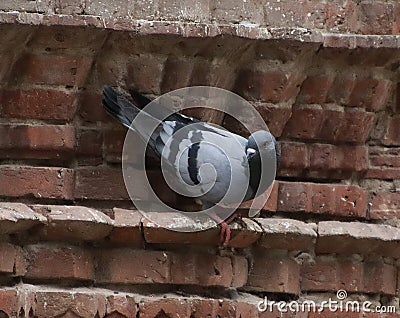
column 192, row 29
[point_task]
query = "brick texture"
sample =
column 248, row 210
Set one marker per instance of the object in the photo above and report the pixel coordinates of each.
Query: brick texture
column 322, row 74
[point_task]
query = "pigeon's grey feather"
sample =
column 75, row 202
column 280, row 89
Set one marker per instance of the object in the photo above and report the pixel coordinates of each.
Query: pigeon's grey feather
column 220, row 163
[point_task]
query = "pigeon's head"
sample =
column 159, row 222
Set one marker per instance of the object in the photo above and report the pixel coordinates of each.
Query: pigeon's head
column 262, row 143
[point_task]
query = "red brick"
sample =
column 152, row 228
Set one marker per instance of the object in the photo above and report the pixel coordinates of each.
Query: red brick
column 36, row 141
column 355, row 127
column 371, row 93
column 392, row 136
column 323, row 199
column 313, row 14
column 65, row 262
column 333, row 119
column 273, row 273
column 127, row 266
column 113, row 144
column 294, row 155
column 100, row 183
column 275, row 116
column 385, row 205
column 144, row 73
column 375, row 17
column 9, row 302
column 127, row 228
column 272, row 86
column 350, row 201
column 17, row 217
column 11, row 259
column 324, row 156
column 305, row 123
column 167, row 307
column 279, row 14
column 177, row 73
column 174, row 228
column 341, row 89
column 73, row 223
column 38, row 104
column 286, row 234
column 89, row 143
column 60, row 38
column 379, row 278
column 341, row 16
column 68, row 303
column 52, row 69
column 121, row 305
column 383, row 173
column 201, row 269
column 90, row 107
column 240, row 270
column 384, row 157
column 329, row 274
column 37, row 182
column 314, row 89
column 293, row 197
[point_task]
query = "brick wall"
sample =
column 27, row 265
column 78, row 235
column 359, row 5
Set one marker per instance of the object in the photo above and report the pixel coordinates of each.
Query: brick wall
column 323, row 74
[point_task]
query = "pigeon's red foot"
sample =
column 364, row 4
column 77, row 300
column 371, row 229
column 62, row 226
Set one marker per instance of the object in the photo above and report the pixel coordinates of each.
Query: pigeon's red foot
column 225, row 235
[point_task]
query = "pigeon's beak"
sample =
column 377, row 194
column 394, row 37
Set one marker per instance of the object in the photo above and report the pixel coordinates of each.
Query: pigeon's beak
column 250, row 152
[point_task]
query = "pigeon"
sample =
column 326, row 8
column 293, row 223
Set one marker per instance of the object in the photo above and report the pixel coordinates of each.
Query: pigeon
column 222, row 167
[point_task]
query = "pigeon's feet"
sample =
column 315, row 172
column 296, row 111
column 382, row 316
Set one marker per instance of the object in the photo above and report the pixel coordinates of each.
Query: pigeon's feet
column 225, row 234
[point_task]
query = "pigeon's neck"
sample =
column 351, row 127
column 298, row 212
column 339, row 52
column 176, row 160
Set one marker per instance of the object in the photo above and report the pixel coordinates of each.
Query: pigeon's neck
column 255, row 174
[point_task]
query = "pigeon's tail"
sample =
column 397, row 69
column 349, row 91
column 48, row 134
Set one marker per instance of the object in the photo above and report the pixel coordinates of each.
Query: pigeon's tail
column 119, row 106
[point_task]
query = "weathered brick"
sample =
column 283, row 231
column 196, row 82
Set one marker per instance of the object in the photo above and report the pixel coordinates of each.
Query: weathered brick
column 350, row 201
column 90, row 107
column 379, row 277
column 100, row 183
column 294, row 155
column 65, row 262
column 333, row 119
column 44, row 141
column 123, row 305
column 371, row 93
column 74, row 223
column 279, row 14
column 12, row 260
column 64, row 303
column 177, row 73
column 392, row 136
column 17, row 217
column 38, row 182
column 126, row 228
column 9, row 302
column 385, row 205
column 315, row 89
column 237, row 11
column 38, row 104
column 357, row 238
column 341, row 16
column 305, row 122
column 272, row 86
column 355, row 127
column 341, row 89
column 273, row 273
column 201, row 269
column 144, row 73
column 286, row 234
column 168, row 307
column 127, row 266
column 114, row 142
column 293, row 197
column 331, row 275
column 375, row 17
column 52, row 69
